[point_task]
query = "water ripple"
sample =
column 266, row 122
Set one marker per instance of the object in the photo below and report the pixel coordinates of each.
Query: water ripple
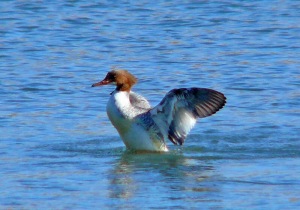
column 58, row 144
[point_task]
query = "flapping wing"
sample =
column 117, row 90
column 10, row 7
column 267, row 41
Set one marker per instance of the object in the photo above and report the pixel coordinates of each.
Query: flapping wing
column 178, row 111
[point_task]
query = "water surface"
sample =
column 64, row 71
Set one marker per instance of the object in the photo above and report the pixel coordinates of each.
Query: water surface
column 59, row 151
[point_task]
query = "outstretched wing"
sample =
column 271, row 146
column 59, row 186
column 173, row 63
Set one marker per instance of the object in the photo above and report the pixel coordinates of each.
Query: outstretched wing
column 178, row 111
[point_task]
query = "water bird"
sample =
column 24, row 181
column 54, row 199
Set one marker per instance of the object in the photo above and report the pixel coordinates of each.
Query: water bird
column 146, row 128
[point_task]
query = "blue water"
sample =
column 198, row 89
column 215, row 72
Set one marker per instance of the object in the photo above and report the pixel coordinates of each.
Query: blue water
column 59, row 151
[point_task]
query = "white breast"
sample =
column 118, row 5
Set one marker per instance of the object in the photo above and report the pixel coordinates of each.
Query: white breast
column 118, row 111
column 123, row 116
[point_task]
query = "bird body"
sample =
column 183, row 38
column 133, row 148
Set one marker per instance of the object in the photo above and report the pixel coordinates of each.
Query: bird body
column 143, row 128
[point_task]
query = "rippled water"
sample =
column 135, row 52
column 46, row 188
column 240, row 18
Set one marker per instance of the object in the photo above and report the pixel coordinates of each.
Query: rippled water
column 58, row 149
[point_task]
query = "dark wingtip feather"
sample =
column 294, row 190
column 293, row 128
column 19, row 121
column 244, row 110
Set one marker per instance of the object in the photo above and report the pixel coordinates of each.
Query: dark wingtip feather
column 212, row 103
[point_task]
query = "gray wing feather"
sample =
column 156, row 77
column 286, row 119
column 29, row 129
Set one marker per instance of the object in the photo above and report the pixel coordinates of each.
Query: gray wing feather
column 139, row 101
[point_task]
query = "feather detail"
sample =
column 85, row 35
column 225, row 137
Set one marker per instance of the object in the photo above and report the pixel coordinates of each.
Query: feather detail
column 138, row 101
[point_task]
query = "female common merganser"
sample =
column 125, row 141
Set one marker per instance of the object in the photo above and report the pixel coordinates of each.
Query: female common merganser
column 143, row 128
